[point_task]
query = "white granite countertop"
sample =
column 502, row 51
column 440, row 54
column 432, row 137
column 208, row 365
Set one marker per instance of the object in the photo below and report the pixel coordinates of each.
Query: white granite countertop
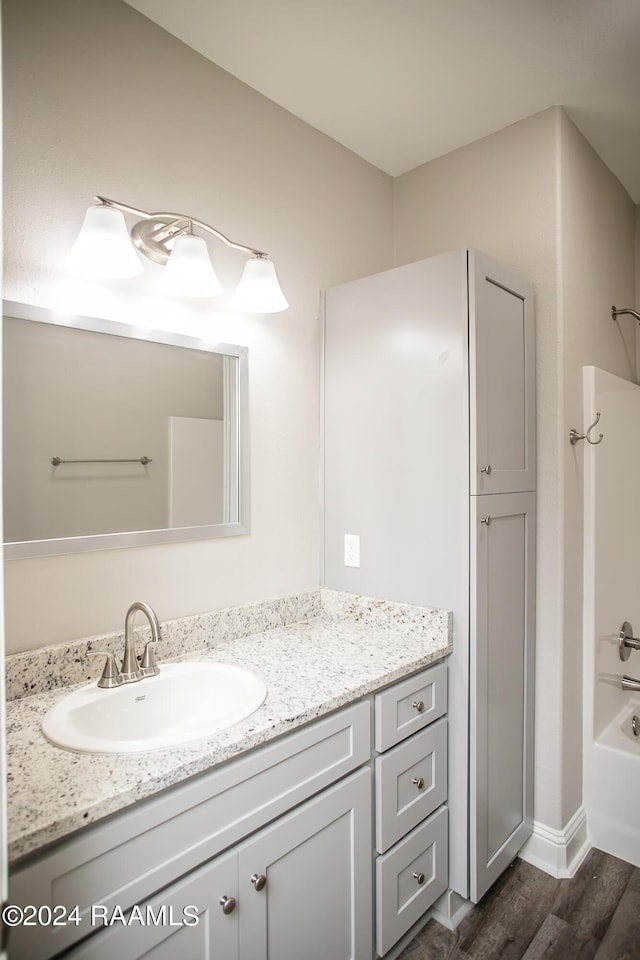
column 310, row 668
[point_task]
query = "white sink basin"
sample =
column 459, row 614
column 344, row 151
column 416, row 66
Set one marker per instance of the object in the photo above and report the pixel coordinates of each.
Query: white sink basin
column 184, row 702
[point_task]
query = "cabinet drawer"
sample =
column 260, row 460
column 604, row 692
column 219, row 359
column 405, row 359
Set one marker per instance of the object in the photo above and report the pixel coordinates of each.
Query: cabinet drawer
column 124, row 860
column 409, row 706
column 411, row 781
column 401, row 897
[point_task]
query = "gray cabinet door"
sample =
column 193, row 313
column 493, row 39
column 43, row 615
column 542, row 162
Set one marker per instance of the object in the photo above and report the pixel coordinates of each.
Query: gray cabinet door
column 501, row 688
column 501, row 378
column 186, row 920
column 305, row 881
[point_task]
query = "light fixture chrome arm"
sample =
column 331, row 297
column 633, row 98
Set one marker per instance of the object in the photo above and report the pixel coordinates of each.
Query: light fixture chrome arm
column 105, row 249
column 176, row 218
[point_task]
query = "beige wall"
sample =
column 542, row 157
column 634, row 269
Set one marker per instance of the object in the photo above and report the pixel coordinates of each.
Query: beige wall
column 535, row 197
column 637, row 300
column 100, row 100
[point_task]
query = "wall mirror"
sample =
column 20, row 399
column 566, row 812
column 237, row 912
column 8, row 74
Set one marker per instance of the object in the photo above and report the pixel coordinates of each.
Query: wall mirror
column 118, row 437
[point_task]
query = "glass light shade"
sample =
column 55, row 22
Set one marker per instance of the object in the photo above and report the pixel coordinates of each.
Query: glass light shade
column 103, row 249
column 188, row 272
column 259, row 290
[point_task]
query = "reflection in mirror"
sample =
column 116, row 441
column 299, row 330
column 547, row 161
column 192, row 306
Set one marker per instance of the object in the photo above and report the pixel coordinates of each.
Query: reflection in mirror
column 118, row 437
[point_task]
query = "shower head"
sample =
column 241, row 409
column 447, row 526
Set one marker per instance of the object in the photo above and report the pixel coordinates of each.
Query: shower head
column 616, row 313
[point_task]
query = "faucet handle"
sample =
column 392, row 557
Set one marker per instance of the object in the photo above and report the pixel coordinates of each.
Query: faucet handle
column 110, row 674
column 149, row 667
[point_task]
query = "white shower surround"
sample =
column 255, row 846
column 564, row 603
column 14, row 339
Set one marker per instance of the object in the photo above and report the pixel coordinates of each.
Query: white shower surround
column 611, row 595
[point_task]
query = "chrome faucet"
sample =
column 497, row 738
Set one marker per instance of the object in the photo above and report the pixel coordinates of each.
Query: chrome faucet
column 130, row 671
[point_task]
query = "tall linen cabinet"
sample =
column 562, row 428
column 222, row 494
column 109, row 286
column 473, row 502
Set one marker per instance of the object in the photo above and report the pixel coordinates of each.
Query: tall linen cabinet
column 429, row 458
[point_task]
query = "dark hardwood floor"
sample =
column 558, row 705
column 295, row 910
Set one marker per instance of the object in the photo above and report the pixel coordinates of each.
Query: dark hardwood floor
column 528, row 915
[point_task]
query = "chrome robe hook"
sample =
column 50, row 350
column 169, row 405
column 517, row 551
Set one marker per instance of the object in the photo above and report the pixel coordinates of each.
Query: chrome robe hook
column 574, row 436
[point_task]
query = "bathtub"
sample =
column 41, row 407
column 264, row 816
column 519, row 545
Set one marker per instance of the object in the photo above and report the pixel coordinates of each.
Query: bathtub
column 619, row 735
column 614, row 816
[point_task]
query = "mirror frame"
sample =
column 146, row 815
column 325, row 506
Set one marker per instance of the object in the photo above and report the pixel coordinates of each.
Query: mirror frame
column 21, row 550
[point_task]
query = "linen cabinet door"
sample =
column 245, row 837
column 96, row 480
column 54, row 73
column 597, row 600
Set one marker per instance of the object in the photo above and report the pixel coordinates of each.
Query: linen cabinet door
column 501, row 380
column 501, row 682
column 194, row 919
column 305, row 881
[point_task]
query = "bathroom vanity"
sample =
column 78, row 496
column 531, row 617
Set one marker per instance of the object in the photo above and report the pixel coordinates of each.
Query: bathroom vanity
column 317, row 827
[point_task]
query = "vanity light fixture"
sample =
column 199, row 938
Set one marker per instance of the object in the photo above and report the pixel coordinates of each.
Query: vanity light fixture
column 104, row 249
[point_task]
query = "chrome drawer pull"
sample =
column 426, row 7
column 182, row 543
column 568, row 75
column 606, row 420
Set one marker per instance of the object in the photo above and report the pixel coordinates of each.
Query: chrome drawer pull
column 419, row 782
column 259, row 881
column 419, row 877
column 485, row 520
column 418, row 705
column 486, row 469
column 228, row 905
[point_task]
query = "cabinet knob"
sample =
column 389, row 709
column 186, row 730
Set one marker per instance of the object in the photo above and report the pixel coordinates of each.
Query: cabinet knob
column 418, row 705
column 486, row 469
column 486, row 521
column 419, row 782
column 419, row 877
column 259, row 881
column 228, row 904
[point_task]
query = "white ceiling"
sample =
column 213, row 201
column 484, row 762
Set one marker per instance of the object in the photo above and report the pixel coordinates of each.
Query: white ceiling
column 400, row 82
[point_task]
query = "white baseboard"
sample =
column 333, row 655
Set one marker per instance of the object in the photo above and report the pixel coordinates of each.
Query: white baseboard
column 558, row 852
